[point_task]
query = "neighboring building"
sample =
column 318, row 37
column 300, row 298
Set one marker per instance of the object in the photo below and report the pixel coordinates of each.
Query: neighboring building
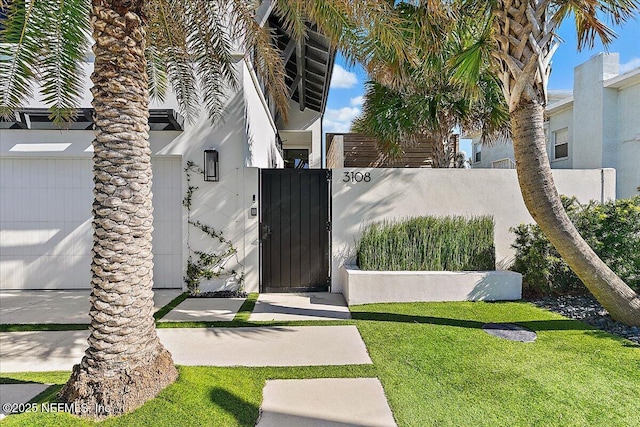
column 354, row 150
column 595, row 126
column 46, row 174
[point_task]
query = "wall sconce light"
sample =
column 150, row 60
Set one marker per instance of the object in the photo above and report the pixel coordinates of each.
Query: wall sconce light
column 211, row 166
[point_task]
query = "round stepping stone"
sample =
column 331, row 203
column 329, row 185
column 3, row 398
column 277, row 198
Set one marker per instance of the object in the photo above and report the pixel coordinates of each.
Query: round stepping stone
column 509, row 331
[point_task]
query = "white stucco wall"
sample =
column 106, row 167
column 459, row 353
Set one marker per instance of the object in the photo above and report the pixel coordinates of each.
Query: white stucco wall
column 628, row 143
column 603, row 121
column 310, row 121
column 400, row 193
column 490, row 153
column 594, row 112
column 261, row 131
column 244, row 138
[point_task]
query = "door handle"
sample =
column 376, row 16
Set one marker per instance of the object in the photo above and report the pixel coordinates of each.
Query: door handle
column 265, row 232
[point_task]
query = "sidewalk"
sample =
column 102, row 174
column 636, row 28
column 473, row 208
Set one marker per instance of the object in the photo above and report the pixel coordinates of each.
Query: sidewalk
column 337, row 402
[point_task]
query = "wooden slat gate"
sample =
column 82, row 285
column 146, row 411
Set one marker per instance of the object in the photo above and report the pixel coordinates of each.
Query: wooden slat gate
column 295, row 230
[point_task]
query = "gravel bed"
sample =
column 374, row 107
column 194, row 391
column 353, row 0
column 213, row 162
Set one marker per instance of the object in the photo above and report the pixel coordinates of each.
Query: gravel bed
column 588, row 310
column 219, row 294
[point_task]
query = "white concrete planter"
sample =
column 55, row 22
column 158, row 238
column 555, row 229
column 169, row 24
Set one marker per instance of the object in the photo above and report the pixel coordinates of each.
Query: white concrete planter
column 364, row 287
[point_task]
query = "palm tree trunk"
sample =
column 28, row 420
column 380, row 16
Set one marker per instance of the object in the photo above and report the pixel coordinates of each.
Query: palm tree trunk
column 125, row 364
column 542, row 201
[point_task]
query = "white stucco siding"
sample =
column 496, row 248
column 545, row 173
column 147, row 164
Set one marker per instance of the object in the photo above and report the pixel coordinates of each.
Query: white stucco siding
column 401, row 193
column 628, row 144
column 226, row 204
column 493, row 152
column 309, row 121
column 594, row 112
column 261, row 131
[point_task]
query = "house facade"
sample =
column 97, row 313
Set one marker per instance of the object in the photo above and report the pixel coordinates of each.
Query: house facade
column 597, row 125
column 46, row 176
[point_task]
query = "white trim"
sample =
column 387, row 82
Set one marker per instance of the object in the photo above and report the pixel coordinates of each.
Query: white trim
column 556, row 144
column 559, row 106
column 624, row 80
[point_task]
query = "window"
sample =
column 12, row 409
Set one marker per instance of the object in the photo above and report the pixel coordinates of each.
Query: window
column 297, row 159
column 561, row 144
column 477, row 156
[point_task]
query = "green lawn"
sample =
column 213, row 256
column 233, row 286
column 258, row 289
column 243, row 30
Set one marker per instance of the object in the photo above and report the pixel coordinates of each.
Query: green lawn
column 438, row 368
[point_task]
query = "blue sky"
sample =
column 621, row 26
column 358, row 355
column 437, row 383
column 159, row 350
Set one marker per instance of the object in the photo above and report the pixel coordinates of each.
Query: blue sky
column 347, row 84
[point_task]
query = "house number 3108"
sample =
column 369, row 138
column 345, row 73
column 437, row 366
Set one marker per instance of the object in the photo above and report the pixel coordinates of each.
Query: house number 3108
column 356, row 177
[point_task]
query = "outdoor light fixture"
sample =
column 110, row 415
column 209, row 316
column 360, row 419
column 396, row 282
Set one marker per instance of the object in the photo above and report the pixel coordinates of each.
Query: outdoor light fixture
column 211, row 167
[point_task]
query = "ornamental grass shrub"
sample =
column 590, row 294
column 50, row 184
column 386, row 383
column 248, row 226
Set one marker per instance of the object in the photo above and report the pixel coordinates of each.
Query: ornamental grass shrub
column 612, row 229
column 453, row 243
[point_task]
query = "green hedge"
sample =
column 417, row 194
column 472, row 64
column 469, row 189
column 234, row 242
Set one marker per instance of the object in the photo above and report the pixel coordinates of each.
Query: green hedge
column 611, row 229
column 428, row 243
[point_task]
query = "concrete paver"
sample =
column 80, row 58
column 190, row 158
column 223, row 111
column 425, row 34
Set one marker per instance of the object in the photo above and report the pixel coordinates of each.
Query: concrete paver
column 302, row 306
column 28, row 307
column 268, row 346
column 12, row 396
column 326, row 402
column 41, row 351
column 205, row 310
column 335, row 402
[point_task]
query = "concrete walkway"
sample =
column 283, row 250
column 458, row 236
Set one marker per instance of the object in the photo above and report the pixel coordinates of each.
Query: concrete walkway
column 25, row 307
column 327, row 402
column 303, row 306
column 205, row 310
column 260, row 346
column 308, row 402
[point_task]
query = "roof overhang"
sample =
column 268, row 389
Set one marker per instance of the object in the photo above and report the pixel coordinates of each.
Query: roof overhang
column 308, row 65
column 624, row 80
column 559, row 106
column 38, row 119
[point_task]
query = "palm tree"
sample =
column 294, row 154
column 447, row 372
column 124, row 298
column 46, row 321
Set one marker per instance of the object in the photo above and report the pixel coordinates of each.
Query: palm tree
column 518, row 40
column 139, row 47
column 422, row 102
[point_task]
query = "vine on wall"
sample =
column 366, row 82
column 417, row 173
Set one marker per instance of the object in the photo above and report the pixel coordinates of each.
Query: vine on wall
column 204, row 265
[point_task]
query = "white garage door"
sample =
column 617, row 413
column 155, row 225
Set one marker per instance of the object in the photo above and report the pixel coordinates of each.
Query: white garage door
column 45, row 223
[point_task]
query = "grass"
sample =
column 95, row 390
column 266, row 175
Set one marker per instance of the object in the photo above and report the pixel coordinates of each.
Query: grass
column 427, row 243
column 246, row 308
column 438, row 368
column 202, row 396
column 172, row 304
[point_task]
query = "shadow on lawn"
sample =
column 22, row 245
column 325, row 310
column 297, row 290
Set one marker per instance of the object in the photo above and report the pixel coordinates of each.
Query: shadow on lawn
column 534, row 325
column 244, row 412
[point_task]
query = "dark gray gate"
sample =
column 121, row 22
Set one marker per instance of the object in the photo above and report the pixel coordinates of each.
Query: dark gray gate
column 295, row 230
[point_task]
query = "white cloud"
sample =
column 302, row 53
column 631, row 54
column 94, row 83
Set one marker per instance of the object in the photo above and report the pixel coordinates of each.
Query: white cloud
column 357, row 101
column 339, row 120
column 630, row 65
column 342, row 78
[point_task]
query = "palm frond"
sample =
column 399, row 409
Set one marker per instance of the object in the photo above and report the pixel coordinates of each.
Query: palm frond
column 20, row 43
column 209, row 37
column 167, row 33
column 588, row 15
column 66, row 44
column 45, row 42
column 266, row 58
column 157, row 74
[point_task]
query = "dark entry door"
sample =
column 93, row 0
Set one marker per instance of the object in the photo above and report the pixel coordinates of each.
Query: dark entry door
column 295, row 230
